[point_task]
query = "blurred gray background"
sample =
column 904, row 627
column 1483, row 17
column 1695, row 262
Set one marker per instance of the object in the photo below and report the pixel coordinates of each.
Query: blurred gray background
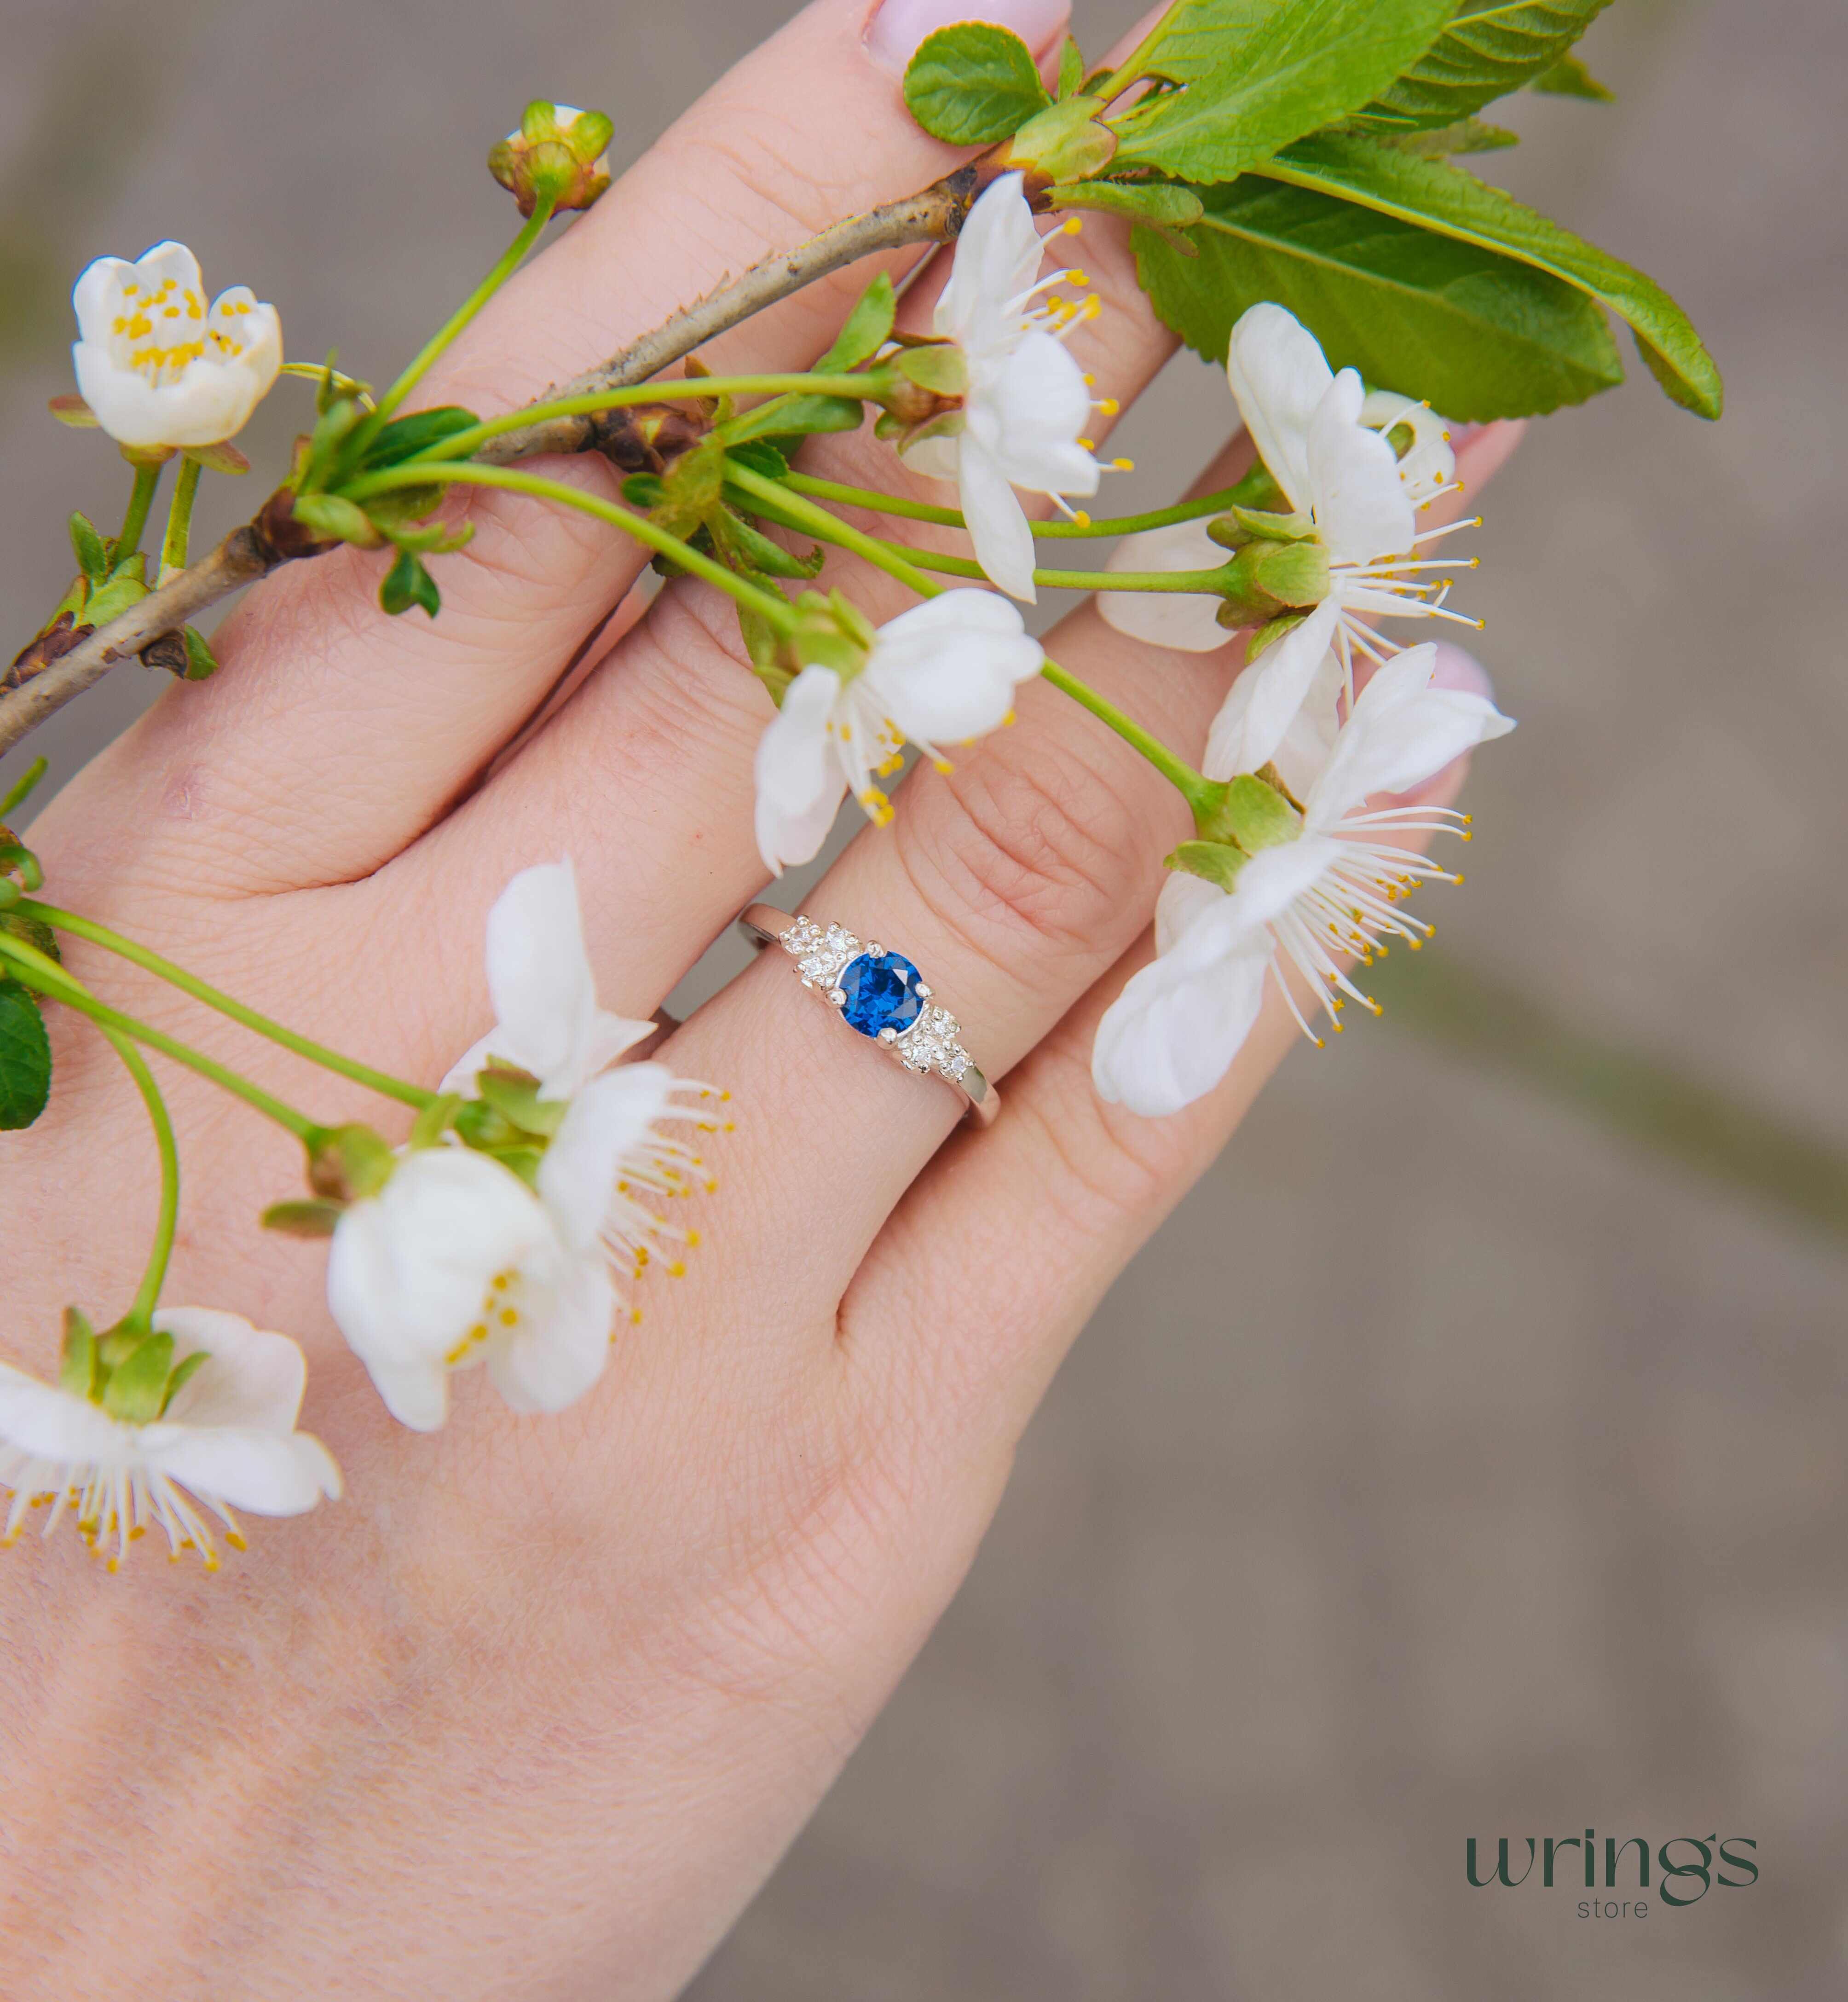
column 1464, row 1458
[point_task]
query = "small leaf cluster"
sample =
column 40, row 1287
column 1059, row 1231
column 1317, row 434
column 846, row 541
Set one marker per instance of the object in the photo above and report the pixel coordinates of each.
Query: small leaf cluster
column 1303, row 151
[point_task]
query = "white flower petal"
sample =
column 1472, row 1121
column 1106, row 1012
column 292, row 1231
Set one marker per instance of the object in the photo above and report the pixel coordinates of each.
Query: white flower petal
column 997, row 522
column 1186, row 621
column 1361, row 508
column 266, row 1472
column 799, row 782
column 45, row 1423
column 545, row 1368
column 255, row 1379
column 1279, row 377
column 608, row 1117
column 946, row 671
column 997, row 254
column 1267, row 698
column 1030, row 411
column 1401, row 732
column 1185, row 898
column 936, row 457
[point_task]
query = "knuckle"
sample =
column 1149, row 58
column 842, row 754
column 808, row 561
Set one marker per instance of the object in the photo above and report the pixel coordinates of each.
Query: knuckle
column 1040, row 848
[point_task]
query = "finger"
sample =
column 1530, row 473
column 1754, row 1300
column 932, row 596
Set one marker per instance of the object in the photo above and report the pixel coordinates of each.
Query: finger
column 1002, row 1250
column 319, row 696
column 1014, row 883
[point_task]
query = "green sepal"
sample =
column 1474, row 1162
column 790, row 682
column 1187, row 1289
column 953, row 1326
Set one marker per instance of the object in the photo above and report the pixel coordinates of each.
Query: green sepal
column 404, row 436
column 435, row 1119
column 939, row 367
column 397, row 505
column 1071, row 69
column 201, row 662
column 137, row 1387
column 973, row 83
column 17, row 859
column 71, row 409
column 747, row 548
column 797, row 417
column 514, row 1094
column 303, row 1219
column 25, row 1057
column 1259, row 523
column 91, row 551
column 338, row 419
column 1210, row 860
column 77, row 1362
column 1270, row 631
column 864, row 330
column 184, row 1371
column 408, row 582
column 348, row 1163
column 1247, row 812
column 1569, row 78
column 223, row 457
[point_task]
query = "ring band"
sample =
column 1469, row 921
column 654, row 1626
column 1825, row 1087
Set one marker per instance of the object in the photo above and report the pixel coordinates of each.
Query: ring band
column 879, row 995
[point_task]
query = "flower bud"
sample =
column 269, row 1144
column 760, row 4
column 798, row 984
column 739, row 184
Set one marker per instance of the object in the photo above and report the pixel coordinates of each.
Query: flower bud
column 347, row 1163
column 1065, row 142
column 557, row 155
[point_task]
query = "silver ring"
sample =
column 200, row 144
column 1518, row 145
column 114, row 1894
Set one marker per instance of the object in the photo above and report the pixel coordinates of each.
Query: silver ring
column 878, row 994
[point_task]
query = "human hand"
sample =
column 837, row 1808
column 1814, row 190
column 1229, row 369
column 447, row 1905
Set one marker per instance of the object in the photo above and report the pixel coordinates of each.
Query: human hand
column 534, row 1711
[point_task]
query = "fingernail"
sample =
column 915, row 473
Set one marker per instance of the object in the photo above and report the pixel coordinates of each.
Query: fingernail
column 893, row 34
column 1460, row 670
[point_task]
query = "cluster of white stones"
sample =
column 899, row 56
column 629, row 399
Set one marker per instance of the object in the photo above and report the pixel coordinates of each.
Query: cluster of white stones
column 823, row 953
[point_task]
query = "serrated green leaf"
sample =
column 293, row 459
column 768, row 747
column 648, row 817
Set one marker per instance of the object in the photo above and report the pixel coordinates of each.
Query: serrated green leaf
column 797, row 417
column 1480, row 336
column 973, row 83
column 1071, row 69
column 91, row 551
column 1455, row 203
column 1438, row 142
column 397, row 441
column 408, row 582
column 1569, row 78
column 866, row 330
column 1486, row 50
column 1256, row 74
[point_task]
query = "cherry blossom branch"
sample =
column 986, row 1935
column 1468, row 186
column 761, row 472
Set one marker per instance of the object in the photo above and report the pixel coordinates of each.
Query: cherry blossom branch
column 933, row 215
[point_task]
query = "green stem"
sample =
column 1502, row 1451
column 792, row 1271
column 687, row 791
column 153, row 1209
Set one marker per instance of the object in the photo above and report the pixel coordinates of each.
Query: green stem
column 804, row 513
column 949, row 518
column 1195, row 583
column 140, row 498
column 462, row 444
column 511, row 259
column 33, row 969
column 140, row 1315
column 21, row 788
column 381, row 1082
column 179, row 519
column 1192, row 786
column 421, row 473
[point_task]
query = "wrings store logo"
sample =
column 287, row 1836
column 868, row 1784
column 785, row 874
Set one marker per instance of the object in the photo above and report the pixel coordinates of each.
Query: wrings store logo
column 1687, row 1866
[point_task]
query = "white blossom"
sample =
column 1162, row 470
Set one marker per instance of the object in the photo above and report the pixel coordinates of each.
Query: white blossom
column 1331, row 891
column 944, row 672
column 1322, row 436
column 457, row 1260
column 227, row 1440
column 1027, row 405
column 156, row 365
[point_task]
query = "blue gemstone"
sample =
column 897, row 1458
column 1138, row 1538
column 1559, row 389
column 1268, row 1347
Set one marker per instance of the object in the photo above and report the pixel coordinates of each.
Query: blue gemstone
column 881, row 993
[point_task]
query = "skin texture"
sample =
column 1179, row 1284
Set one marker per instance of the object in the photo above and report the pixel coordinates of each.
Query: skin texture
column 535, row 1710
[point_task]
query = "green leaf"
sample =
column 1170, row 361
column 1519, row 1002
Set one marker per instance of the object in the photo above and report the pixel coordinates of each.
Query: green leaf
column 137, row 1386
column 422, row 429
column 974, row 83
column 122, row 590
column 1487, row 50
column 408, row 582
column 335, row 518
column 1479, row 335
column 201, row 662
column 747, row 549
column 1569, row 78
column 92, row 552
column 1071, row 69
column 758, row 455
column 1438, row 142
column 33, row 931
column 1159, row 204
column 796, row 417
column 1456, row 204
column 24, row 1058
column 866, row 329
column 435, row 1119
column 1256, row 74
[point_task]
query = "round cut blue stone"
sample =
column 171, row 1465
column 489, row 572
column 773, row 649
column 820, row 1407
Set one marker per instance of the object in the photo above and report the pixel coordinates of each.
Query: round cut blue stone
column 881, row 993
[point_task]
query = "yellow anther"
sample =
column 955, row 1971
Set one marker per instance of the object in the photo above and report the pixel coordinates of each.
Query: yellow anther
column 1081, row 519
column 693, row 1239
column 1123, row 464
column 1073, row 224
column 1110, row 406
column 943, row 765
column 1077, row 277
column 1087, row 444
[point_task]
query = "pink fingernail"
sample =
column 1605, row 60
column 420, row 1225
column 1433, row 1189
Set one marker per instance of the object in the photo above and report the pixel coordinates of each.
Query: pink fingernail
column 893, row 34
column 1458, row 669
